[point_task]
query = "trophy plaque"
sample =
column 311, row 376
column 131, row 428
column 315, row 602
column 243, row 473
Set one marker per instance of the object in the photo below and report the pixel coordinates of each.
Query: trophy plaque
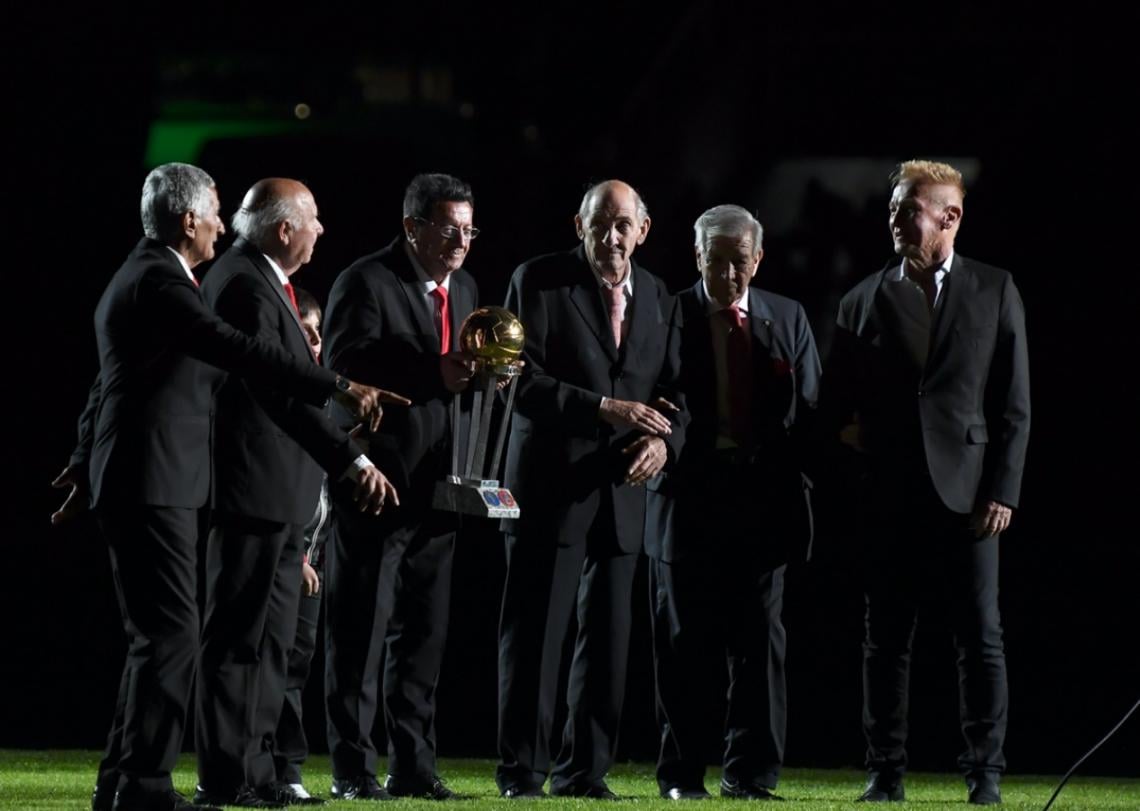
column 494, row 336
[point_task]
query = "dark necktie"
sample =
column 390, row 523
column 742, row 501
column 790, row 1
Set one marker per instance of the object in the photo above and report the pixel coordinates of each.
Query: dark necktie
column 443, row 320
column 738, row 346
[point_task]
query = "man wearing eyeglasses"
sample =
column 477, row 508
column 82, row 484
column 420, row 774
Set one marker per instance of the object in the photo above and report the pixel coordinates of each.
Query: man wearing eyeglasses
column 394, row 315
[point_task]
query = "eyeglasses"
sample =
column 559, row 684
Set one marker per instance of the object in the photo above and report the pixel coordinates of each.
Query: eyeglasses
column 450, row 231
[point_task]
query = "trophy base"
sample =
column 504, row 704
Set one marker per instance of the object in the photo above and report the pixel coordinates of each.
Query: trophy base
column 481, row 497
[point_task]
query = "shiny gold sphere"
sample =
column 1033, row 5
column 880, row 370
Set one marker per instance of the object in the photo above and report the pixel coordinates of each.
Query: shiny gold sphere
column 493, row 335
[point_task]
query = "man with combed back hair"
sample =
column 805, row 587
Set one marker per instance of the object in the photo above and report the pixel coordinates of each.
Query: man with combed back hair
column 393, row 318
column 724, row 523
column 583, row 440
column 271, row 449
column 928, row 381
column 144, row 452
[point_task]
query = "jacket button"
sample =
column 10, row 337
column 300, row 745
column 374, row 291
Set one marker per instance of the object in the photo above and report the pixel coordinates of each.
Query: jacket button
column 921, row 392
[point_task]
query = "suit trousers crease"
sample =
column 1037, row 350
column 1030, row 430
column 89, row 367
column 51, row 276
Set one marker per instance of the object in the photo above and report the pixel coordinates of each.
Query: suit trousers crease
column 253, row 583
column 387, row 604
column 546, row 585
column 709, row 612
column 154, row 566
column 919, row 554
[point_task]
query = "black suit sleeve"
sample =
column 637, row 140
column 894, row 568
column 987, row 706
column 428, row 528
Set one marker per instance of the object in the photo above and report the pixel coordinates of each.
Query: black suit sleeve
column 82, row 453
column 247, row 304
column 172, row 302
column 669, row 381
column 361, row 345
column 540, row 396
column 1007, row 402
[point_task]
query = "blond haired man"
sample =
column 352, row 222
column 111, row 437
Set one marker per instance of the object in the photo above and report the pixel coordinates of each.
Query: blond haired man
column 930, row 366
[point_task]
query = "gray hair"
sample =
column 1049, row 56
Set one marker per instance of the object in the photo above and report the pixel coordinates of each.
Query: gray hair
column 259, row 223
column 730, row 221
column 587, row 198
column 169, row 191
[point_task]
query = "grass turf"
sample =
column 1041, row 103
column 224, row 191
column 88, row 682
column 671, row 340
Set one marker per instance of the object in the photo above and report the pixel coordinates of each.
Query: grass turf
column 62, row 780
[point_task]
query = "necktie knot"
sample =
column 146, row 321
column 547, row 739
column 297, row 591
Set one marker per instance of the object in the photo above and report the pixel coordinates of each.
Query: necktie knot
column 733, row 316
column 440, row 293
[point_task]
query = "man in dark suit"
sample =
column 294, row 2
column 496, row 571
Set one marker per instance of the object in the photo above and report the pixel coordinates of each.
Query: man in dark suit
column 271, row 449
column 583, row 438
column 931, row 371
column 393, row 318
column 725, row 521
column 144, row 454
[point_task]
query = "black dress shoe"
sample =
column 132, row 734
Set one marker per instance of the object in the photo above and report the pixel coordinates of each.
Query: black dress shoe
column 745, row 790
column 290, row 794
column 590, row 791
column 882, row 789
column 359, row 788
column 244, row 797
column 103, row 797
column 984, row 788
column 430, row 788
column 522, row 792
column 133, row 800
column 685, row 793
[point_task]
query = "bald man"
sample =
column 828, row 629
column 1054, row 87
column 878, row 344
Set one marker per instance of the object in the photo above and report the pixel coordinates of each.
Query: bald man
column 583, row 441
column 270, row 453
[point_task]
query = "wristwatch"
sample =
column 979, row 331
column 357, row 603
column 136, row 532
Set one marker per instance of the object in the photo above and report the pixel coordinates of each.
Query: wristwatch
column 343, row 383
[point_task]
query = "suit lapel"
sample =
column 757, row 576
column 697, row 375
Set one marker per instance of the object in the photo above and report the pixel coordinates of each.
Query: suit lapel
column 259, row 262
column 642, row 312
column 760, row 324
column 414, row 292
column 458, row 301
column 587, row 298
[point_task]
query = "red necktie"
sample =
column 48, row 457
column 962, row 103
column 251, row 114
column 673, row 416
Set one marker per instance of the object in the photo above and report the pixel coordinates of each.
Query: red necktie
column 444, row 323
column 739, row 357
column 616, row 296
column 293, row 298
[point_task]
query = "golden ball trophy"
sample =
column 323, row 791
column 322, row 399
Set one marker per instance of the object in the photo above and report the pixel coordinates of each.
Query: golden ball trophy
column 494, row 336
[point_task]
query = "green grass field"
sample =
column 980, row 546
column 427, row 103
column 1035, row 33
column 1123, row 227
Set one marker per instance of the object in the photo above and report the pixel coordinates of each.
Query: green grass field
column 59, row 780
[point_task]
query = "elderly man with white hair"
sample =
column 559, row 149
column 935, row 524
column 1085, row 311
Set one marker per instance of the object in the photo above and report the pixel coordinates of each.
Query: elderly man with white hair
column 726, row 520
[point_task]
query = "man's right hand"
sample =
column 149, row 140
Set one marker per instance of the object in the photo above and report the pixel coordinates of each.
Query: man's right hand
column 365, row 402
column 373, row 490
column 75, row 478
column 457, row 369
column 640, row 417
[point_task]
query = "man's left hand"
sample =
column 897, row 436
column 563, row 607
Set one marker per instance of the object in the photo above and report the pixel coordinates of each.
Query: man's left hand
column 649, row 457
column 990, row 518
column 75, row 478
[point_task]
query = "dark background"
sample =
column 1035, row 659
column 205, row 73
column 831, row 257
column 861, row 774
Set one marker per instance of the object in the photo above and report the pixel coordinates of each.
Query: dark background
column 798, row 114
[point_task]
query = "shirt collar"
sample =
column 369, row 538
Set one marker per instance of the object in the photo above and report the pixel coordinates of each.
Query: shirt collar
column 714, row 306
column 429, row 284
column 627, row 282
column 185, row 265
column 939, row 274
column 281, row 277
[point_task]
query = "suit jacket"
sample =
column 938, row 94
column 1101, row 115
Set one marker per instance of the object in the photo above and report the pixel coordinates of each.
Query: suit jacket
column 146, row 431
column 962, row 411
column 270, row 447
column 380, row 327
column 785, row 380
column 561, row 455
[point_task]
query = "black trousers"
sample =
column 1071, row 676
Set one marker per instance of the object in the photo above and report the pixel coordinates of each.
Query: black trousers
column 709, row 611
column 290, row 747
column 388, row 599
column 253, row 584
column 545, row 582
column 920, row 554
column 154, row 564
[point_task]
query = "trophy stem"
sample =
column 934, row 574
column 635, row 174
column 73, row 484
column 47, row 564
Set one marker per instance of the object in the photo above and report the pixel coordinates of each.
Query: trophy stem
column 490, row 383
column 455, row 435
column 501, row 438
column 476, row 415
